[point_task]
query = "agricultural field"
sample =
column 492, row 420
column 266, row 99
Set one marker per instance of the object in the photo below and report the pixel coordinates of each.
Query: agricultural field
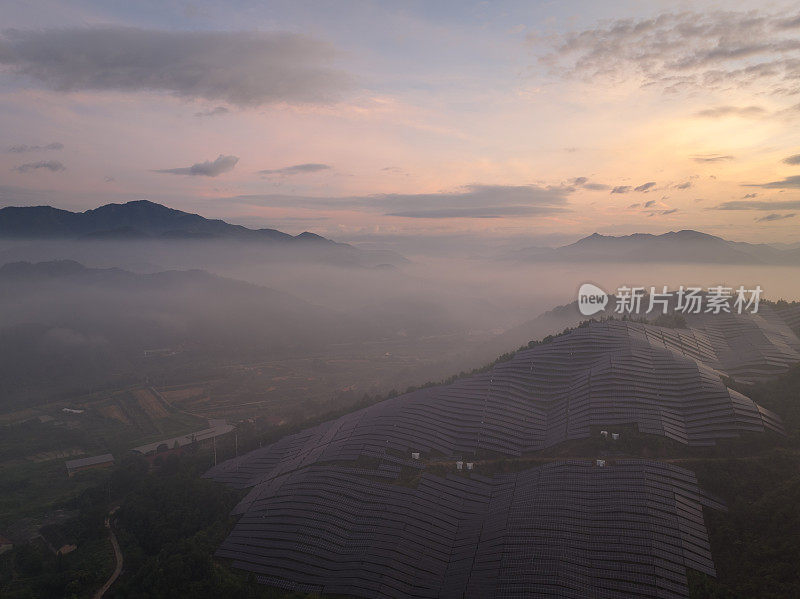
column 291, row 389
column 35, row 443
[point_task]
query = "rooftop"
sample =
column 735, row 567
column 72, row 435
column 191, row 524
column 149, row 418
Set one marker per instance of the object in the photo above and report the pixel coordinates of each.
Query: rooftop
column 92, row 461
column 216, row 428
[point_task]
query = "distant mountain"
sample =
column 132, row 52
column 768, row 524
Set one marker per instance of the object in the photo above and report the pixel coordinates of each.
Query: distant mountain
column 676, row 246
column 786, row 246
column 163, row 308
column 143, row 220
column 65, row 326
column 140, row 218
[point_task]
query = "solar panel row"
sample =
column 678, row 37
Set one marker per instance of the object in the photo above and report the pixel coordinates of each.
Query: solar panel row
column 566, row 529
column 317, row 520
column 606, row 374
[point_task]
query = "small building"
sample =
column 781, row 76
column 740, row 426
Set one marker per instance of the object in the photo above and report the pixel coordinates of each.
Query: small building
column 615, row 436
column 601, row 463
column 470, row 465
column 5, row 545
column 604, row 434
column 217, row 428
column 98, row 461
column 459, row 465
column 415, row 455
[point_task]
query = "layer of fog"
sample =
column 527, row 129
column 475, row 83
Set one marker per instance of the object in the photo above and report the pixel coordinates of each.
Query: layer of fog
column 472, row 308
column 464, row 293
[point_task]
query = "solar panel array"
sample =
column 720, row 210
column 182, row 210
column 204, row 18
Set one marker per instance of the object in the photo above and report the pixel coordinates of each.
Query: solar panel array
column 603, row 375
column 749, row 348
column 327, row 513
column 790, row 314
column 566, row 529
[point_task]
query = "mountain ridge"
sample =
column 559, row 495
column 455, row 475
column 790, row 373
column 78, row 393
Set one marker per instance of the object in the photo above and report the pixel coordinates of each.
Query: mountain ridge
column 145, row 226
column 686, row 245
column 136, row 219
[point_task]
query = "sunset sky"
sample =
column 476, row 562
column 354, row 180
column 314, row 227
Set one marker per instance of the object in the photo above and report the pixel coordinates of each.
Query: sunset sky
column 532, row 121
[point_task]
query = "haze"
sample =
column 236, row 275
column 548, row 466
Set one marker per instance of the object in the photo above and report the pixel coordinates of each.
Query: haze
column 289, row 299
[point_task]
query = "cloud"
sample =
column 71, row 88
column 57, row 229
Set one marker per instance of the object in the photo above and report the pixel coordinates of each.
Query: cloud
column 792, row 159
column 22, row 148
column 792, row 182
column 712, row 158
column 791, row 112
column 469, row 201
column 724, row 111
column 479, row 201
column 217, row 111
column 621, row 189
column 297, row 169
column 773, row 217
column 586, row 184
column 493, row 212
column 760, row 205
column 222, row 164
column 662, row 212
column 685, row 51
column 239, row 67
column 644, row 187
column 684, row 185
column 650, row 204
column 50, row 165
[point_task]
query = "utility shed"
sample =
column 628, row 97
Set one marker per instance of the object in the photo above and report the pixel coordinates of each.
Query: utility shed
column 98, row 461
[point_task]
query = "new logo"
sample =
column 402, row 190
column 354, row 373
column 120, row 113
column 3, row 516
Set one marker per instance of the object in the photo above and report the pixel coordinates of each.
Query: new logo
column 591, row 299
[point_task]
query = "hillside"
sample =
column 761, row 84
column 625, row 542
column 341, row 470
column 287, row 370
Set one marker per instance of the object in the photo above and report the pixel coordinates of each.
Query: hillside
column 144, row 223
column 137, row 219
column 392, row 467
column 65, row 325
column 685, row 246
column 333, row 509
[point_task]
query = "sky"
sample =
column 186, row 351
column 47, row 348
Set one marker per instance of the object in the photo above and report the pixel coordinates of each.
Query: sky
column 519, row 122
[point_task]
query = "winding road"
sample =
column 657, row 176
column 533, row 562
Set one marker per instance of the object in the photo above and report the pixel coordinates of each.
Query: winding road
column 117, row 555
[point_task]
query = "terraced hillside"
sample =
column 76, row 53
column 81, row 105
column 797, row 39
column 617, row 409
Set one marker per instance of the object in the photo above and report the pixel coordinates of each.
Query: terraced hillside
column 604, row 374
column 338, row 508
column 752, row 347
column 554, row 531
